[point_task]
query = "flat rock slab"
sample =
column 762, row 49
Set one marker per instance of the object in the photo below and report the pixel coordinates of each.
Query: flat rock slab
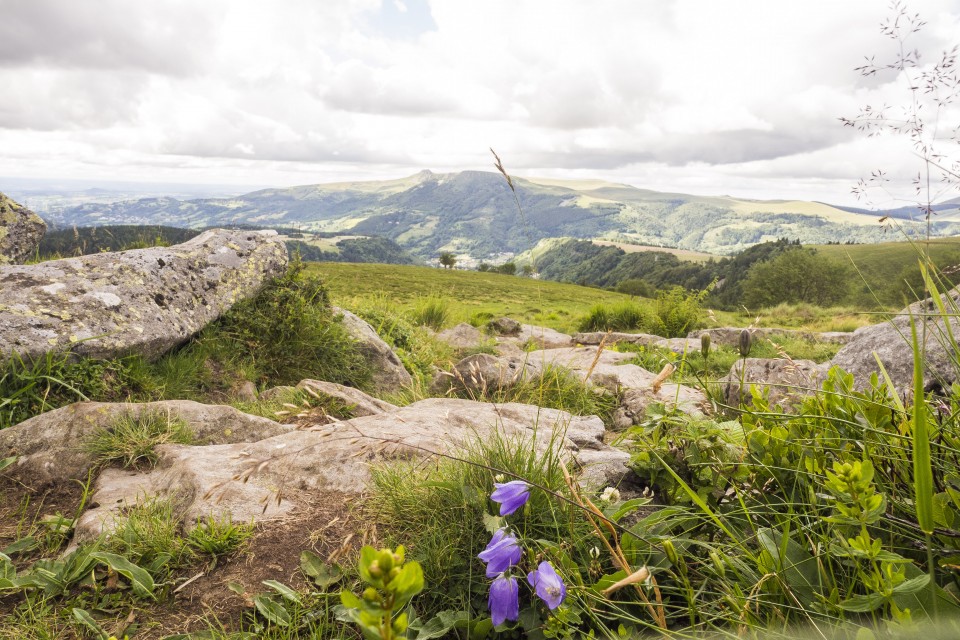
column 730, row 336
column 613, row 337
column 133, row 302
column 610, row 371
column 49, row 447
column 271, row 478
column 20, row 231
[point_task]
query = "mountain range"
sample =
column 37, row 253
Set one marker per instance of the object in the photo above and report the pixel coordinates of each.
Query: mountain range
column 474, row 213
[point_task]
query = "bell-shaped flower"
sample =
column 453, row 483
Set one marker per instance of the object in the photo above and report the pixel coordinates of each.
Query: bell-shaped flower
column 548, row 585
column 511, row 495
column 502, row 552
column 504, row 600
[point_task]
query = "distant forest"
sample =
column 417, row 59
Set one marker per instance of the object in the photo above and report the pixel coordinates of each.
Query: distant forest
column 79, row 241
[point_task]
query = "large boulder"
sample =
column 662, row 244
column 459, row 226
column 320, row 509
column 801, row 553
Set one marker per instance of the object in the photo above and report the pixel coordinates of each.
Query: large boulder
column 890, row 341
column 389, row 374
column 785, row 382
column 541, row 337
column 145, row 301
column 20, row 231
column 270, row 478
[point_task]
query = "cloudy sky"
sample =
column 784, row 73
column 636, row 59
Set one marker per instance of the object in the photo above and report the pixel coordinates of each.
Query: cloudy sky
column 738, row 97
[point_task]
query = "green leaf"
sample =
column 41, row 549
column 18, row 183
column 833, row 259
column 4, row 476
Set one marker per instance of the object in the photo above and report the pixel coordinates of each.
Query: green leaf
column 271, row 609
column 6, row 462
column 863, row 604
column 922, row 470
column 140, row 580
column 283, row 590
column 795, row 565
column 408, row 583
column 350, row 600
column 323, row 575
column 23, row 544
column 440, row 625
column 83, row 617
column 913, row 584
column 367, row 555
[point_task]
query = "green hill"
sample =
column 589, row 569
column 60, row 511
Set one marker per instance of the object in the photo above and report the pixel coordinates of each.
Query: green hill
column 473, row 213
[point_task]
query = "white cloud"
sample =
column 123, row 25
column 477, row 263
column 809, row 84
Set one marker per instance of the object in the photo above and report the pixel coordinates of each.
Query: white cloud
column 687, row 94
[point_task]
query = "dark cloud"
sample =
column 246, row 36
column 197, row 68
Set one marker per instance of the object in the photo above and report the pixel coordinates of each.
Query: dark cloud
column 163, row 38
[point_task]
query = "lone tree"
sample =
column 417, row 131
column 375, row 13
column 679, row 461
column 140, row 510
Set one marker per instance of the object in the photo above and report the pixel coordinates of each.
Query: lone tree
column 447, row 259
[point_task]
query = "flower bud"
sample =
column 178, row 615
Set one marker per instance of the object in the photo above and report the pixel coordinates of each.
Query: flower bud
column 386, row 559
column 746, row 341
column 394, row 572
column 705, row 345
column 370, row 594
column 671, row 552
column 718, row 564
column 375, row 569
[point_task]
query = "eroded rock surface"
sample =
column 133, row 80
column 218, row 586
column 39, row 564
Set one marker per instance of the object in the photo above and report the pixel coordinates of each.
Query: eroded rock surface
column 20, row 231
column 50, row 447
column 220, row 478
column 144, row 301
column 356, row 402
column 389, row 374
column 613, row 337
column 462, row 336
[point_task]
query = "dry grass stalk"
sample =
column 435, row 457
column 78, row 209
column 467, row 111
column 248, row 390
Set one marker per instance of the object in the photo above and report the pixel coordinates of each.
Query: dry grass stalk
column 665, row 373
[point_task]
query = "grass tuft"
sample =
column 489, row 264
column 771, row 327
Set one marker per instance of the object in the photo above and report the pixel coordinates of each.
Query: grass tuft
column 132, row 438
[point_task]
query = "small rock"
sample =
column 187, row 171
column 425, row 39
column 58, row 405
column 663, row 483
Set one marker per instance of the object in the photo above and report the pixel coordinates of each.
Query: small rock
column 504, row 326
column 481, row 373
column 613, row 337
column 462, row 336
column 359, row 403
column 246, row 392
column 786, row 382
column 389, row 374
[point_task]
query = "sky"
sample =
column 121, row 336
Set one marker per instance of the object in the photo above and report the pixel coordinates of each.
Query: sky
column 737, row 97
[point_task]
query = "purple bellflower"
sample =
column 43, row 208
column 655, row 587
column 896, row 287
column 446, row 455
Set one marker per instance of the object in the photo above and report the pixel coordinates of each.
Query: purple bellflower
column 548, row 585
column 511, row 495
column 501, row 553
column 504, row 600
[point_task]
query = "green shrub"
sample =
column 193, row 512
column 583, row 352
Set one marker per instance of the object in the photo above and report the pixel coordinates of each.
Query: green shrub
column 622, row 316
column 288, row 332
column 677, row 312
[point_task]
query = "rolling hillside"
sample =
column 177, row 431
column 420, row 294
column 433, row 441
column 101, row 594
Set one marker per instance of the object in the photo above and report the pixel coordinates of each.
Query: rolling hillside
column 473, row 213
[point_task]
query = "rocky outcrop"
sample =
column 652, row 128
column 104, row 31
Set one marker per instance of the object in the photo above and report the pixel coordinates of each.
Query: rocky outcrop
column 784, row 382
column 144, row 301
column 613, row 337
column 20, row 231
column 730, row 336
column 389, row 374
column 50, row 447
column 267, row 479
column 679, row 345
column 610, row 371
column 890, row 341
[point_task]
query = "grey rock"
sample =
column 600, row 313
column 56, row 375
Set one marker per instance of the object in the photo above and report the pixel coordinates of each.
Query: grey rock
column 246, row 392
column 49, row 447
column 360, row 403
column 890, row 341
column 20, row 231
column 482, row 372
column 462, row 336
column 145, row 301
column 543, row 337
column 730, row 336
column 610, row 371
column 595, row 337
column 785, row 382
column 269, row 479
column 276, row 392
column 679, row 345
column 389, row 374
column 504, row 326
